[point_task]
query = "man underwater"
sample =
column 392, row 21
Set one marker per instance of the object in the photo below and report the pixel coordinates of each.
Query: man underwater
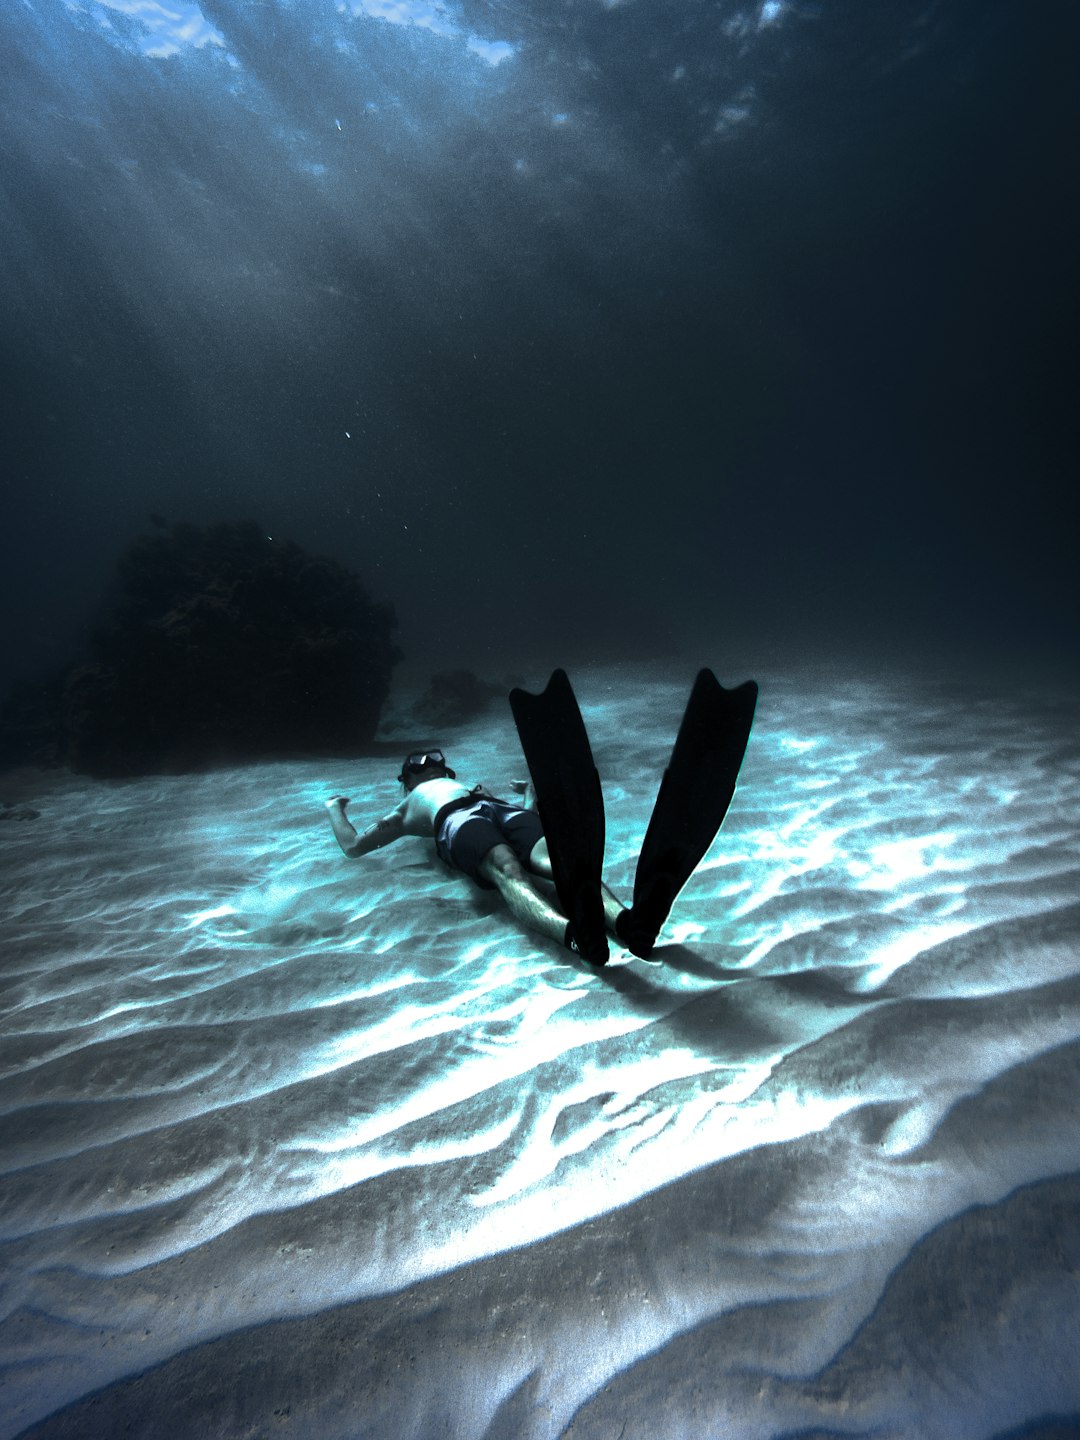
column 497, row 843
column 501, row 845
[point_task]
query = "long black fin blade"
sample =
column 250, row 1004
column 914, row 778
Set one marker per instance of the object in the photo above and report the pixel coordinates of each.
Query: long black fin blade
column 570, row 803
column 693, row 799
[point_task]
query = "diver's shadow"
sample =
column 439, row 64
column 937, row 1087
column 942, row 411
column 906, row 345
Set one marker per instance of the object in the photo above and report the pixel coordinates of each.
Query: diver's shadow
column 691, row 962
column 640, row 981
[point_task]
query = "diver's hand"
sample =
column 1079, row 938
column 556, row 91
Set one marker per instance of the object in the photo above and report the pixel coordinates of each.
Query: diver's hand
column 337, row 802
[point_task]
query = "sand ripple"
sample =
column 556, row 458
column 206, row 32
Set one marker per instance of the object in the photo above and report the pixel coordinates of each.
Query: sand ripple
column 243, row 1082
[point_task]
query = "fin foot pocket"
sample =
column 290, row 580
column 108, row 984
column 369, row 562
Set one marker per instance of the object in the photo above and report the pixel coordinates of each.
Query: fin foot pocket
column 596, row 952
column 639, row 926
column 638, row 938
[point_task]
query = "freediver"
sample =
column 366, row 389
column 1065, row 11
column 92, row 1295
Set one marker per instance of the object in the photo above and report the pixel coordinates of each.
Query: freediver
column 498, row 843
column 558, row 833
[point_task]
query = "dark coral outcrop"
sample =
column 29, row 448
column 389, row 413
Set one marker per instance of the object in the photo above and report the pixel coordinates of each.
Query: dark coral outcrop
column 452, row 698
column 224, row 645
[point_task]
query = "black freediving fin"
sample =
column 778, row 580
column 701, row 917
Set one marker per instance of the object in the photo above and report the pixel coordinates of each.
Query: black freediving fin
column 570, row 803
column 690, row 807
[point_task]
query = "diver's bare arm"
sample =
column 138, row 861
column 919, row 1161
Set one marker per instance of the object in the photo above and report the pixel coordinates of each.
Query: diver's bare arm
column 390, row 828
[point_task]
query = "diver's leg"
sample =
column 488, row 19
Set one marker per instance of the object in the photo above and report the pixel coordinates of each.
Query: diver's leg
column 613, row 907
column 540, row 864
column 505, row 871
column 539, row 859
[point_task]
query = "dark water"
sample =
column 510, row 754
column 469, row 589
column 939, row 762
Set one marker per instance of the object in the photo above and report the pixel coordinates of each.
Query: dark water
column 689, row 326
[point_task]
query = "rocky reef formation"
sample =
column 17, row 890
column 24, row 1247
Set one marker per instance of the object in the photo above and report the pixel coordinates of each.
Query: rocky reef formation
column 224, row 645
column 452, row 698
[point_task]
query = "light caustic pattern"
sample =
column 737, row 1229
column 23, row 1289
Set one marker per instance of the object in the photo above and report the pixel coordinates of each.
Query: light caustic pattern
column 243, row 1079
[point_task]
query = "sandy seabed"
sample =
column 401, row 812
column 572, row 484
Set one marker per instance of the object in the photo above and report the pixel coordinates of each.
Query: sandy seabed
column 302, row 1147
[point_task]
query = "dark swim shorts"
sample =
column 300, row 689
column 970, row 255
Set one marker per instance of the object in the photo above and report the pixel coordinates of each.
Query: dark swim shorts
column 468, row 832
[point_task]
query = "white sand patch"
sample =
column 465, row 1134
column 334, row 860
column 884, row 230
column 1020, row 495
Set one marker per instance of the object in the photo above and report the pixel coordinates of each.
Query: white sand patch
column 243, row 1082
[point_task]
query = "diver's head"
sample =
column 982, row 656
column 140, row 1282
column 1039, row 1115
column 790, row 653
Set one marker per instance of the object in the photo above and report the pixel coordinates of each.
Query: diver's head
column 424, row 765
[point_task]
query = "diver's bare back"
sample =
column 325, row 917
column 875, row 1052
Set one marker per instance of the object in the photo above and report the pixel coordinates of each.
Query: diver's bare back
column 422, row 804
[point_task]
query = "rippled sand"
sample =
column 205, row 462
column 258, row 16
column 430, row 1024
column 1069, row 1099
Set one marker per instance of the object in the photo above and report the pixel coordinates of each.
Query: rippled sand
column 298, row 1145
